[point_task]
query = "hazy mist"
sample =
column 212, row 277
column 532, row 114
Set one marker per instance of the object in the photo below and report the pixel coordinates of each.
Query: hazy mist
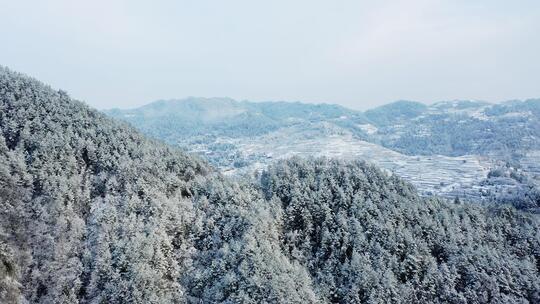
column 355, row 53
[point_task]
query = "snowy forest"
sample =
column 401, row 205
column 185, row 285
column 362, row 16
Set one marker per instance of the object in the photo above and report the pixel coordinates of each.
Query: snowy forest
column 92, row 211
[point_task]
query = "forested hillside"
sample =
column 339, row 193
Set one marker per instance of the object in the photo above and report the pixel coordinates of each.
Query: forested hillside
column 90, row 210
column 93, row 212
column 365, row 237
column 205, row 119
column 507, row 130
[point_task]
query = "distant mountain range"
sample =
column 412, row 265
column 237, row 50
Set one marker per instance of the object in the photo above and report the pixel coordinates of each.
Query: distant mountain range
column 505, row 130
column 447, row 148
column 177, row 120
column 452, row 128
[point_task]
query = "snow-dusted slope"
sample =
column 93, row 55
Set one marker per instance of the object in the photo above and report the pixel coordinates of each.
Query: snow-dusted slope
column 444, row 175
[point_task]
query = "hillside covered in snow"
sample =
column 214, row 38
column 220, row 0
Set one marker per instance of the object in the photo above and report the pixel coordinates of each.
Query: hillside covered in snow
column 447, row 148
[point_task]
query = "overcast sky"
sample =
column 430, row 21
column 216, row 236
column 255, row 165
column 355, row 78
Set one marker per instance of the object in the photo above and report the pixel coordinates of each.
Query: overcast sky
column 356, row 53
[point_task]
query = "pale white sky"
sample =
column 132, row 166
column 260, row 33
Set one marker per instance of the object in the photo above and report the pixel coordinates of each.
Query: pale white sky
column 356, row 53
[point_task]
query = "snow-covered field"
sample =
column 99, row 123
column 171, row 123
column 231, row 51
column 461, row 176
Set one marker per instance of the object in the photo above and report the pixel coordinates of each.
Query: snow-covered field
column 443, row 175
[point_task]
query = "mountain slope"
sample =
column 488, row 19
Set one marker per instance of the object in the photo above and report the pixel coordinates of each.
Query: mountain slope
column 93, row 212
column 365, row 237
column 72, row 181
column 397, row 111
column 202, row 119
column 505, row 131
column 455, row 128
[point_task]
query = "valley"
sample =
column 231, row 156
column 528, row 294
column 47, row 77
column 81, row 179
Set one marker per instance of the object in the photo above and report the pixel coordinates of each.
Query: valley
column 446, row 149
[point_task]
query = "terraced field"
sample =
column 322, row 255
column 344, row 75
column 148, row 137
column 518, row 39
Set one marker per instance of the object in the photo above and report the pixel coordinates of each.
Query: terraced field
column 443, row 175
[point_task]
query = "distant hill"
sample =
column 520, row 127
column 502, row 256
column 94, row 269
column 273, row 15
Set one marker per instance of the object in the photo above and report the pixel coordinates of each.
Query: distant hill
column 507, row 130
column 454, row 128
column 178, row 120
column 394, row 112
